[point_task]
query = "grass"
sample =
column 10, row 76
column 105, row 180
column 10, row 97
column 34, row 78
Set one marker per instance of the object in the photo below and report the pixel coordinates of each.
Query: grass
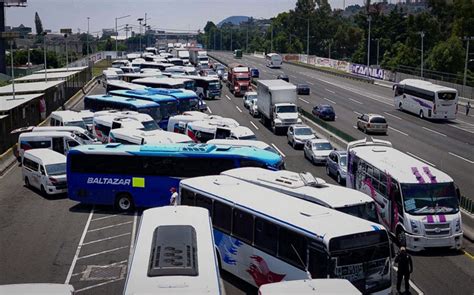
column 100, row 66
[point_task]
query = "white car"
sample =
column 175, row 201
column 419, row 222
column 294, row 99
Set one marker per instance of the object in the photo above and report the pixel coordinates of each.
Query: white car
column 317, row 150
column 248, row 97
column 253, row 109
column 44, row 170
column 298, row 134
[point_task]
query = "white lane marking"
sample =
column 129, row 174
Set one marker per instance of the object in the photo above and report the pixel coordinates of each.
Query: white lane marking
column 401, row 132
column 357, row 113
column 102, row 252
column 355, row 100
column 81, row 240
column 462, row 158
column 355, row 127
column 388, row 114
column 132, row 240
column 101, row 266
column 105, row 239
column 310, row 83
column 109, row 226
column 329, row 91
column 238, row 109
column 254, row 125
column 303, row 100
column 105, row 217
column 418, row 290
column 460, row 128
column 278, row 150
column 421, row 159
column 97, row 285
column 227, row 97
column 329, row 100
column 434, row 131
column 209, row 110
column 457, row 120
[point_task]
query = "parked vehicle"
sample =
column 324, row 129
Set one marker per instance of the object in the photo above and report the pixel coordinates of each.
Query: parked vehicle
column 176, row 61
column 303, row 89
column 208, row 73
column 120, row 63
column 207, row 87
column 45, row 170
column 198, row 57
column 317, row 150
column 58, row 141
column 325, row 112
column 67, row 118
column 248, row 97
column 245, row 143
column 298, row 134
column 178, row 123
column 204, row 130
column 87, row 117
column 283, row 77
column 140, row 137
column 277, row 104
column 254, row 73
column 308, row 287
column 372, row 123
column 120, row 85
column 336, row 164
column 104, row 123
column 85, row 135
column 238, row 79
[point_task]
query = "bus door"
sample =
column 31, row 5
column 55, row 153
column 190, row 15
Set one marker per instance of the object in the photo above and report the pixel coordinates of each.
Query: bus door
column 58, row 144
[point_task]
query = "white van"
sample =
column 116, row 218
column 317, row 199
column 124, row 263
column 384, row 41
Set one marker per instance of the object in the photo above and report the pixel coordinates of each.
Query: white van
column 59, row 141
column 132, row 120
column 222, row 128
column 87, row 116
column 45, row 170
column 243, row 143
column 178, row 123
column 86, row 137
column 139, row 137
column 67, row 118
column 108, row 75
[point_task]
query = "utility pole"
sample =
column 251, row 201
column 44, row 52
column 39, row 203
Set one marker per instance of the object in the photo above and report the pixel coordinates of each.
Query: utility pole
column 307, row 42
column 116, row 32
column 466, row 61
column 422, row 34
column 88, row 18
column 10, row 37
column 45, row 63
column 140, row 32
column 66, row 32
column 369, row 19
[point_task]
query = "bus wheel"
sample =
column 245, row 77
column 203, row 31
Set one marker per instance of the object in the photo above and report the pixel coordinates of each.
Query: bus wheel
column 401, row 237
column 421, row 114
column 124, row 202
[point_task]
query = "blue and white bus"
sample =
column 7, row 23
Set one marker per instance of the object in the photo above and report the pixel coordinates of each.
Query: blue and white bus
column 264, row 236
column 141, row 176
column 187, row 99
column 168, row 104
column 112, row 102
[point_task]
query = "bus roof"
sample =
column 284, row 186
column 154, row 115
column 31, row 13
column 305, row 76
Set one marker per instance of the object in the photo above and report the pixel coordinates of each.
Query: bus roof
column 207, row 279
column 124, row 85
column 321, row 222
column 47, row 156
column 37, row 289
column 158, row 81
column 67, row 115
column 233, row 142
column 184, row 149
column 143, row 93
column 426, row 85
column 303, row 186
column 150, row 137
column 397, row 164
column 314, row 286
column 139, row 103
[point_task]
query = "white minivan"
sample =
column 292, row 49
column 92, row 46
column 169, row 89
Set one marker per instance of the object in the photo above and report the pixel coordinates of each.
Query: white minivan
column 67, row 118
column 45, row 170
column 59, row 141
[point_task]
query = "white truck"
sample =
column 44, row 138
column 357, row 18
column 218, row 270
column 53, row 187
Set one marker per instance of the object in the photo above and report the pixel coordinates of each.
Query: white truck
column 183, row 54
column 198, row 57
column 276, row 103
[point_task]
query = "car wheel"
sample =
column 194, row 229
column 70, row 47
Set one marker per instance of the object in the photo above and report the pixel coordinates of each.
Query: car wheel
column 327, row 170
column 422, row 116
column 124, row 202
column 339, row 180
column 43, row 191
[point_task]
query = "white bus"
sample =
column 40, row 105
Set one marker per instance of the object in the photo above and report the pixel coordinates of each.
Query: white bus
column 426, row 99
column 305, row 186
column 174, row 253
column 273, row 60
column 140, row 137
column 416, row 202
column 263, row 236
column 307, row 287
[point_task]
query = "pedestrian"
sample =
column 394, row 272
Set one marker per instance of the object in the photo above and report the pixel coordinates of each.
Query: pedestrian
column 405, row 267
column 174, row 196
column 468, row 107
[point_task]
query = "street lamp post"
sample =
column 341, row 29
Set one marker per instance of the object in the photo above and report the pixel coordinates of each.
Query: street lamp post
column 369, row 19
column 66, row 32
column 116, row 31
column 378, row 47
column 11, row 37
column 140, row 27
column 466, row 61
column 422, row 34
column 44, row 52
column 88, row 18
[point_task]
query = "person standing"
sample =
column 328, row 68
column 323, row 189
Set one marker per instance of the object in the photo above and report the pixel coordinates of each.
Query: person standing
column 468, row 107
column 405, row 267
column 174, row 196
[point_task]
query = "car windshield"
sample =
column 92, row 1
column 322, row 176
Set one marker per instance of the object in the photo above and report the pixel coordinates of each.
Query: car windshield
column 322, row 146
column 155, row 113
column 56, row 169
column 168, row 109
column 429, row 198
column 251, row 97
column 447, row 95
column 214, row 85
column 343, row 161
column 88, row 120
column 365, row 211
column 326, row 108
column 81, row 124
column 286, row 109
column 379, row 120
column 242, row 78
column 303, row 131
column 150, row 125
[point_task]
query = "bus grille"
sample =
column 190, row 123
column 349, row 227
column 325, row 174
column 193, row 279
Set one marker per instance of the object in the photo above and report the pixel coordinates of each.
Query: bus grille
column 437, row 229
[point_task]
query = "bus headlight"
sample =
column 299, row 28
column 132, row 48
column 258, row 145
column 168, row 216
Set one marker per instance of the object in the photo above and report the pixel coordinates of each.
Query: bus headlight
column 457, row 227
column 414, row 227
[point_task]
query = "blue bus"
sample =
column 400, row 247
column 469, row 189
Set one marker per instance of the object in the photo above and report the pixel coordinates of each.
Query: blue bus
column 168, row 104
column 188, row 99
column 129, row 176
column 107, row 102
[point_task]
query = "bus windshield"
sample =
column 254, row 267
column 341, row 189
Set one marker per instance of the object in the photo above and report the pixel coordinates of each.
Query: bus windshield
column 155, row 113
column 365, row 211
column 447, row 95
column 286, row 109
column 56, row 169
column 188, row 105
column 429, row 198
column 150, row 125
column 168, row 109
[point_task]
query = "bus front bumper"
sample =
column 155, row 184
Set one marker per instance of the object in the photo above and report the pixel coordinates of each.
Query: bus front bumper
column 418, row 243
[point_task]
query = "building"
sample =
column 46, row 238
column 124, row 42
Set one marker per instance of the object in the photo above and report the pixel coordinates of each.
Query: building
column 22, row 30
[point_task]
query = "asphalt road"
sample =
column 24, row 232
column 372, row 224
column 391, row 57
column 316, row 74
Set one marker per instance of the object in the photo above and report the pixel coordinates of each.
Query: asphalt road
column 57, row 240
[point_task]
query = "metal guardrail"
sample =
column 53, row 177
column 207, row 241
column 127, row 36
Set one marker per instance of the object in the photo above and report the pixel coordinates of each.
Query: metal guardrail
column 344, row 75
column 467, row 204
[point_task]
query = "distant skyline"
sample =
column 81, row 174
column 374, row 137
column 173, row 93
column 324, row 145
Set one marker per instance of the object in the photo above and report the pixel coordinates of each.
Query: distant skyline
column 163, row 14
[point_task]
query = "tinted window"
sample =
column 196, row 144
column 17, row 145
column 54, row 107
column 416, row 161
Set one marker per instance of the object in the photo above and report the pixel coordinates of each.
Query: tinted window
column 204, row 202
column 35, row 144
column 292, row 245
column 266, row 236
column 222, row 216
column 447, row 95
column 378, row 120
column 30, row 164
column 242, row 225
column 187, row 197
column 252, row 163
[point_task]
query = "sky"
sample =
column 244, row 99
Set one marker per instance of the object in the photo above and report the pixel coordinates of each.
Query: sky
column 163, row 14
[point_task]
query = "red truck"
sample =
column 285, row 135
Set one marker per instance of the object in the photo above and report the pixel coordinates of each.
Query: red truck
column 238, row 79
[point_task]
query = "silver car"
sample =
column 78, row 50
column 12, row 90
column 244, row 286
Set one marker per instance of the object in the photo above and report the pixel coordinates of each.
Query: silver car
column 372, row 123
column 298, row 134
column 336, row 165
column 248, row 97
column 317, row 150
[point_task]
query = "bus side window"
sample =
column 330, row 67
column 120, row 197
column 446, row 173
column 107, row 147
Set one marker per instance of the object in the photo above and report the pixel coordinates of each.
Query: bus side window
column 222, row 216
column 204, row 202
column 396, row 194
column 317, row 264
column 399, row 90
column 242, row 225
column 288, row 242
column 187, row 197
column 266, row 236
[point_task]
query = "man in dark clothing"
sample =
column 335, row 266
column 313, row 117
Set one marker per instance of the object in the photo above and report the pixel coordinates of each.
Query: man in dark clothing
column 405, row 267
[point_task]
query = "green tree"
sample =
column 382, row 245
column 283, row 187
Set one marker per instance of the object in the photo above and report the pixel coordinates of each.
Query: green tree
column 38, row 24
column 447, row 56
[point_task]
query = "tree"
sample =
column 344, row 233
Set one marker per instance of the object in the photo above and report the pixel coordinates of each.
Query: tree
column 447, row 56
column 38, row 24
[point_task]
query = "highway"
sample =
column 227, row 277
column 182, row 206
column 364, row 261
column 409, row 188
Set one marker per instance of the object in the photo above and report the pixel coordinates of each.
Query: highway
column 57, row 240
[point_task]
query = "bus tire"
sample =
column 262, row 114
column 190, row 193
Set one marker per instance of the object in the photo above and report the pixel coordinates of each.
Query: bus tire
column 422, row 116
column 124, row 202
column 401, row 237
column 27, row 182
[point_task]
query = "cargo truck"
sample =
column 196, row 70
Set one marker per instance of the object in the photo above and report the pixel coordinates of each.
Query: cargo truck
column 276, row 104
column 198, row 57
column 238, row 79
